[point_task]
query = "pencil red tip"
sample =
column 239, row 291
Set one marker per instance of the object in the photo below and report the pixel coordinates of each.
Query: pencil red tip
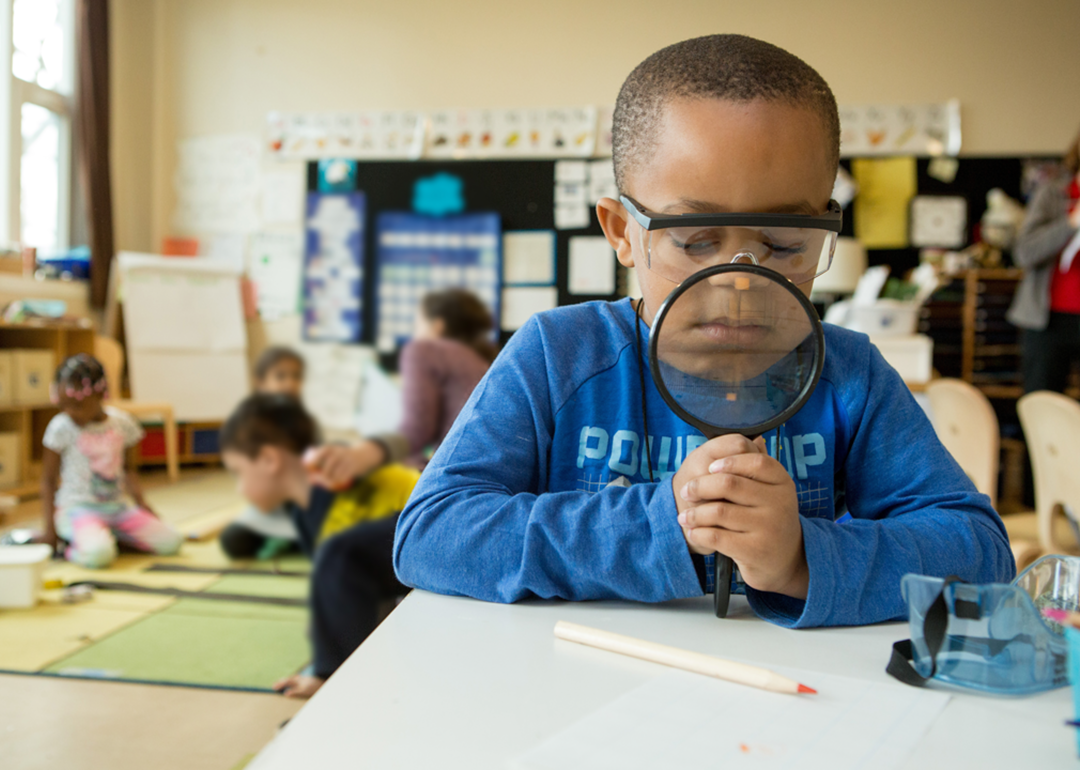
column 804, row 688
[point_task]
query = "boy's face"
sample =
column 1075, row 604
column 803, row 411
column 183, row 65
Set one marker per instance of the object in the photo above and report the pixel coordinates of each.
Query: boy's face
column 285, row 377
column 714, row 156
column 261, row 480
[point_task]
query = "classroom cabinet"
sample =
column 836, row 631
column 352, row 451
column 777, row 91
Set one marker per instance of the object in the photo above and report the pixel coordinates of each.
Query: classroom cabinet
column 29, row 355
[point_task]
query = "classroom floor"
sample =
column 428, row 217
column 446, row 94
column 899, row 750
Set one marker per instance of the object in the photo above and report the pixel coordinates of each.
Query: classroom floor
column 48, row 722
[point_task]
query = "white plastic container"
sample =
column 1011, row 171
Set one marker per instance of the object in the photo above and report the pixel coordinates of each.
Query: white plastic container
column 885, row 318
column 912, row 356
column 21, row 567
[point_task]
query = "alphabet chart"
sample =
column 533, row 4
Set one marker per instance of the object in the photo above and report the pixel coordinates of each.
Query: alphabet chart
column 416, row 254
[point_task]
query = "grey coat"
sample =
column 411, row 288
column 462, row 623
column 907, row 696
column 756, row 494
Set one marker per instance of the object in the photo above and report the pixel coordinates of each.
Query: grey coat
column 1045, row 232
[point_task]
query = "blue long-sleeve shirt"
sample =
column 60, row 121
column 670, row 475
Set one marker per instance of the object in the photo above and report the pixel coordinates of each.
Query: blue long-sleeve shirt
column 542, row 486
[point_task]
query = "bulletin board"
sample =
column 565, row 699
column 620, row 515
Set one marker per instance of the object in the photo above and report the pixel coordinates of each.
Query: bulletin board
column 522, row 192
column 975, row 177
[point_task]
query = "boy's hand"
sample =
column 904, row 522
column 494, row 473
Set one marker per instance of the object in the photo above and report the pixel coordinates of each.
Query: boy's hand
column 735, row 499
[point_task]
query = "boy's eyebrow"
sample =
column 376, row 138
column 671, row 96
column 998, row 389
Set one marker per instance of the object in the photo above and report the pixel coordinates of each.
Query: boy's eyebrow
column 694, row 206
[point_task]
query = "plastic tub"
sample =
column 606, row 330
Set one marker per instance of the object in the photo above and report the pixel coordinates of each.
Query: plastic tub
column 885, row 318
column 20, row 574
column 1073, row 635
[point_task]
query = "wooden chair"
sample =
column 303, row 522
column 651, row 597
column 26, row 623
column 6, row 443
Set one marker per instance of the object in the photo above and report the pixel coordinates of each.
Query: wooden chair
column 1051, row 425
column 111, row 355
column 967, row 425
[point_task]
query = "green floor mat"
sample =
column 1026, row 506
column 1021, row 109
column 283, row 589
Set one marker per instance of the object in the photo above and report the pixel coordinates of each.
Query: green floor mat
column 185, row 645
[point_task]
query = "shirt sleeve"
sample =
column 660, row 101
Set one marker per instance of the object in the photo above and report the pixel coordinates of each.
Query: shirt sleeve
column 480, row 522
column 420, row 396
column 131, row 431
column 1046, row 229
column 913, row 510
column 59, row 433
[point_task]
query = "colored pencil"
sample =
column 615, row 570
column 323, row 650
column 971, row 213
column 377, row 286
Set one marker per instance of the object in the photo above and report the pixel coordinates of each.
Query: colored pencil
column 686, row 660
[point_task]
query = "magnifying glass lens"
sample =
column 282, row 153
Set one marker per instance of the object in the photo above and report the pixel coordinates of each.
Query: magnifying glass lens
column 736, row 350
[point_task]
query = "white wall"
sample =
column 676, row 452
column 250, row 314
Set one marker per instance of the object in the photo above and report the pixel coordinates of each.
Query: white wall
column 196, row 67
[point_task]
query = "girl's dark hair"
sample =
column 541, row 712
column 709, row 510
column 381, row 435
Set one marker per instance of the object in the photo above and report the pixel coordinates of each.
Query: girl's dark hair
column 273, row 356
column 269, row 419
column 466, row 318
column 1072, row 155
column 80, row 376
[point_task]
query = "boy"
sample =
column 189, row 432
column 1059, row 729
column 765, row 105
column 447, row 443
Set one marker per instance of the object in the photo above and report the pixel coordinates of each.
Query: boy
column 263, row 443
column 542, row 487
column 254, row 534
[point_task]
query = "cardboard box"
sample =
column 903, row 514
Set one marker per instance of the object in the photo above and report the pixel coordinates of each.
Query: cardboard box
column 7, row 378
column 34, row 371
column 10, row 470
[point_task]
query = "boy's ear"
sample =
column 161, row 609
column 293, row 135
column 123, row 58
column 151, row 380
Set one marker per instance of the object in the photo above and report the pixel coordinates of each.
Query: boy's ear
column 615, row 221
column 272, row 458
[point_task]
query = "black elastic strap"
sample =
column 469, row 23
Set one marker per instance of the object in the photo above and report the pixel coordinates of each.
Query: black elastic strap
column 641, row 377
column 935, row 623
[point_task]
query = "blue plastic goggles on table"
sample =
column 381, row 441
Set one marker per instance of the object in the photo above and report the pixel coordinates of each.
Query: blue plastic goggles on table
column 989, row 637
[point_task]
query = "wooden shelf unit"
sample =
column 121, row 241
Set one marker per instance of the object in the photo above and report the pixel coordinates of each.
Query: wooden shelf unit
column 63, row 339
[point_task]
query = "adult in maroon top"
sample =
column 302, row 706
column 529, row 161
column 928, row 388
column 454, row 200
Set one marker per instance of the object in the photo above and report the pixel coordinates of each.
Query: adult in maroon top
column 450, row 351
column 438, row 376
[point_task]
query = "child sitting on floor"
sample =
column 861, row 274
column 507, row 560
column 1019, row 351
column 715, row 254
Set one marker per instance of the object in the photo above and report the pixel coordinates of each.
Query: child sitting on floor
column 255, row 534
column 348, row 533
column 84, row 455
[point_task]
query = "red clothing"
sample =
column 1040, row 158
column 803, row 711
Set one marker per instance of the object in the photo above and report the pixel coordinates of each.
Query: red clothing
column 1065, row 287
column 438, row 377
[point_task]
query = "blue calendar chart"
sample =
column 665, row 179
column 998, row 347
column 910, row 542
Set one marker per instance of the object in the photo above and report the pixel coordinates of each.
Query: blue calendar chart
column 416, row 254
column 334, row 267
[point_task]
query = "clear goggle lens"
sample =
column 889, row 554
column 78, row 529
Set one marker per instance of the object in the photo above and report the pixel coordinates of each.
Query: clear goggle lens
column 798, row 254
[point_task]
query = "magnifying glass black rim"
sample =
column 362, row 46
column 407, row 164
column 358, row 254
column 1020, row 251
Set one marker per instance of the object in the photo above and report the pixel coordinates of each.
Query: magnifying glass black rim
column 752, row 431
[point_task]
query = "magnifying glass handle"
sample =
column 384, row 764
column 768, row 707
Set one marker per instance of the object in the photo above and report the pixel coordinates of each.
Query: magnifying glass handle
column 722, row 590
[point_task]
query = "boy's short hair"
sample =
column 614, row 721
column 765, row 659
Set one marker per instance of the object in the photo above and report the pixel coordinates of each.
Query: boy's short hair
column 273, row 356
column 731, row 67
column 269, row 419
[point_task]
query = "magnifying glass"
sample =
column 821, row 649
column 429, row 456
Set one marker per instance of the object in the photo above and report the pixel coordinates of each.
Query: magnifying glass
column 736, row 348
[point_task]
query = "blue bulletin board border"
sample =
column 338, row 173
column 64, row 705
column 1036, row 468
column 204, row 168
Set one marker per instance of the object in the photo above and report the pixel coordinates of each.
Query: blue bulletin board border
column 333, row 280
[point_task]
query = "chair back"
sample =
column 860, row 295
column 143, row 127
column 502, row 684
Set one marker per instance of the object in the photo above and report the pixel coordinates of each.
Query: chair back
column 1051, row 425
column 111, row 355
column 968, row 427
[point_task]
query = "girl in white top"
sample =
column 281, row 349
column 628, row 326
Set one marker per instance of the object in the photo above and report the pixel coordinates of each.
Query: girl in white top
column 85, row 456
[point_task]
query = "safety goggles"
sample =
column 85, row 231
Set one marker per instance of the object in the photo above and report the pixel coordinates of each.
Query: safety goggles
column 797, row 246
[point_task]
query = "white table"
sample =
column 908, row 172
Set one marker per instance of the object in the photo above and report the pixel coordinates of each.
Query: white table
column 448, row 682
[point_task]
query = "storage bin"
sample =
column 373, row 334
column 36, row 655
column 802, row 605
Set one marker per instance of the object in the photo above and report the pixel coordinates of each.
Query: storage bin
column 21, row 567
column 33, row 373
column 10, row 460
column 7, row 378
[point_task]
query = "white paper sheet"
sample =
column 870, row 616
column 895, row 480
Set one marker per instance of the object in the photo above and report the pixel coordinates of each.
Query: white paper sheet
column 277, row 262
column 217, row 185
column 529, row 258
column 571, row 216
column 519, row 303
column 571, row 171
column 683, row 720
column 592, row 265
column 283, row 197
column 333, row 381
column 602, row 181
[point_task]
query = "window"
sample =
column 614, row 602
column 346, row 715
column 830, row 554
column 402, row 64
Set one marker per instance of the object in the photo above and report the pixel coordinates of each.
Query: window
column 38, row 45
